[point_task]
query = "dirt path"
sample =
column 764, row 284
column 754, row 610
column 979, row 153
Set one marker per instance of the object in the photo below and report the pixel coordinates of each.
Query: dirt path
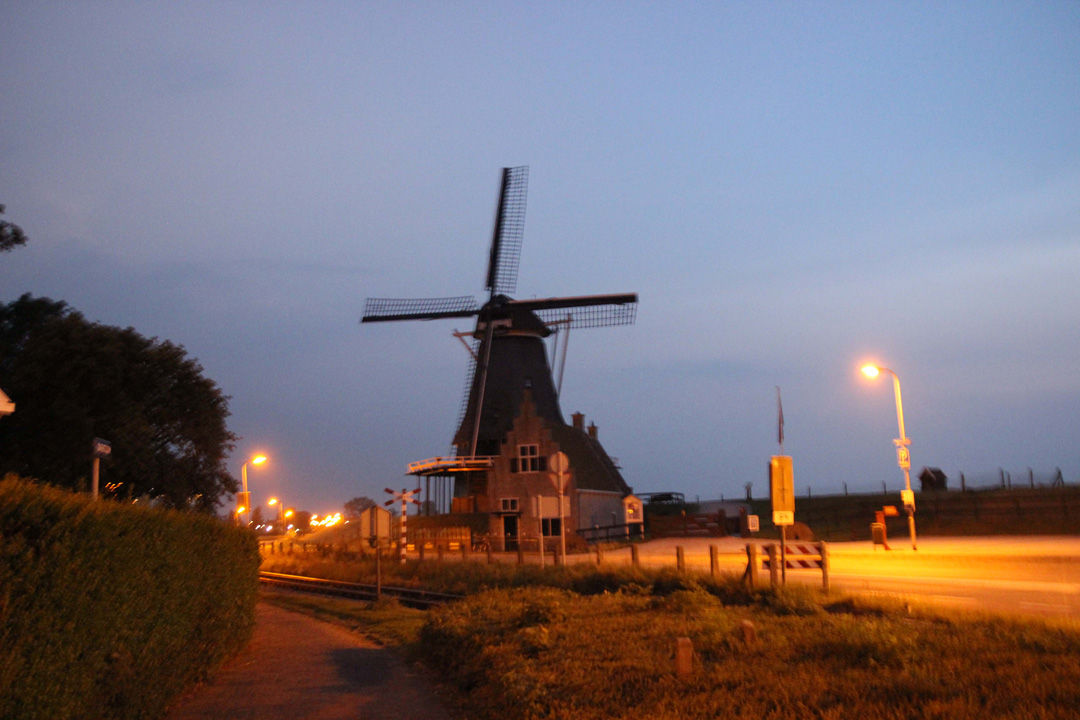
column 297, row 667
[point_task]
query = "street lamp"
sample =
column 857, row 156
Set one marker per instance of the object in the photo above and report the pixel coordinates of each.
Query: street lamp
column 281, row 507
column 903, row 456
column 245, row 497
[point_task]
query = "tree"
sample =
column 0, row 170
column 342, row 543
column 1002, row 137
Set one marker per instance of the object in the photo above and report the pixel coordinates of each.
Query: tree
column 10, row 234
column 355, row 507
column 74, row 380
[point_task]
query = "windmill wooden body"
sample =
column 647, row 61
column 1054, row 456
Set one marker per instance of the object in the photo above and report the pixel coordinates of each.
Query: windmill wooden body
column 511, row 420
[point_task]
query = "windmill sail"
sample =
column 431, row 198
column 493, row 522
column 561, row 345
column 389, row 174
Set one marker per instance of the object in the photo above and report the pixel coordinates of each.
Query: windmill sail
column 509, row 356
column 390, row 309
column 509, row 229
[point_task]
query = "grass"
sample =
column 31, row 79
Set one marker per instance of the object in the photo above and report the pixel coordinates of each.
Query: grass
column 386, row 621
column 556, row 654
column 580, row 643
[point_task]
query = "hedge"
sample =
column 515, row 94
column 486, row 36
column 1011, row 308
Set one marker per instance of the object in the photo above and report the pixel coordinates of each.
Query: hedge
column 110, row 610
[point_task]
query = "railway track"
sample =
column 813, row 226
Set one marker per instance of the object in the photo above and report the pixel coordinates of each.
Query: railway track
column 412, row 597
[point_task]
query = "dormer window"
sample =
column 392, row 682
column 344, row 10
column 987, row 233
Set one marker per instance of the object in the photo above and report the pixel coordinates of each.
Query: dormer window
column 528, row 460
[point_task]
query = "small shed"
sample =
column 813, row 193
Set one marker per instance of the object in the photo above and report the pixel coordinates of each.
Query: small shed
column 932, row 479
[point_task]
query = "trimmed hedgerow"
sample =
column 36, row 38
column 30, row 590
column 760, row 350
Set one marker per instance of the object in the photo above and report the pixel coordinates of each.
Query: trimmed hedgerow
column 109, row 610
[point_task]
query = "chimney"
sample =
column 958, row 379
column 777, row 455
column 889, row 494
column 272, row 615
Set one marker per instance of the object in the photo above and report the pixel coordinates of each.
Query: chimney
column 592, row 430
column 579, row 421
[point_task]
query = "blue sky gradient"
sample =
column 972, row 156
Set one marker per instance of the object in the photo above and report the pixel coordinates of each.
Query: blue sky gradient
column 791, row 188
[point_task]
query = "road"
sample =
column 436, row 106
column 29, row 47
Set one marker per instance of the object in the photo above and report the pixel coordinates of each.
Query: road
column 1031, row 575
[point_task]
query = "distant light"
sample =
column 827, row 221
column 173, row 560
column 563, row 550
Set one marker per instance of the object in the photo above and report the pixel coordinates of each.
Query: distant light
column 871, row 371
column 240, row 510
column 258, row 459
column 272, row 501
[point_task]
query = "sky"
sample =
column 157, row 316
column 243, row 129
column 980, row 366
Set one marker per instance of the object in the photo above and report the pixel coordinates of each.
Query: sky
column 792, row 188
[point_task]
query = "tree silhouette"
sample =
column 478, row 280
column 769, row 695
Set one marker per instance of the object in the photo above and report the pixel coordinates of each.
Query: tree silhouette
column 74, row 380
column 10, row 234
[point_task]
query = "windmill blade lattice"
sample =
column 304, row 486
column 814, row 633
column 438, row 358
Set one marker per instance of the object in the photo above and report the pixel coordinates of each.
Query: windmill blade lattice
column 389, row 309
column 509, row 230
column 584, row 312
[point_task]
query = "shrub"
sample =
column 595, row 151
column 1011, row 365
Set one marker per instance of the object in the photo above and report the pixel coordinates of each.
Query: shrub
column 109, row 610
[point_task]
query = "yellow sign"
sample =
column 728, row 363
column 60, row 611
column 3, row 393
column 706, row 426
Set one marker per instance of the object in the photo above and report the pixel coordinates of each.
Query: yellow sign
column 782, row 484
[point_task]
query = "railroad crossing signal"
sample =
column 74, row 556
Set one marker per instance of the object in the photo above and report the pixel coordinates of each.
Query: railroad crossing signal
column 406, row 497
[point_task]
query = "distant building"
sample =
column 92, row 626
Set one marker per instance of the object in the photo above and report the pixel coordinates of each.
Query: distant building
column 932, row 479
column 513, row 495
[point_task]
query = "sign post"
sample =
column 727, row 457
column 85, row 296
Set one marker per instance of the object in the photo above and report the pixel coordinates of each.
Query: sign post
column 559, row 464
column 782, row 494
column 100, row 449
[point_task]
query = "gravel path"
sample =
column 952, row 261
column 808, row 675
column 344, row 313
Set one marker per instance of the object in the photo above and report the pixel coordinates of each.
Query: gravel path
column 298, row 668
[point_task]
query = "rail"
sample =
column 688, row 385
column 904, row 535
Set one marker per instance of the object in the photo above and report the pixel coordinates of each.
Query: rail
column 413, row 597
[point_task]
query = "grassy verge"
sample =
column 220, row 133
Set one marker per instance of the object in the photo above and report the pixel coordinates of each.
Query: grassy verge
column 551, row 653
column 581, row 643
column 387, row 622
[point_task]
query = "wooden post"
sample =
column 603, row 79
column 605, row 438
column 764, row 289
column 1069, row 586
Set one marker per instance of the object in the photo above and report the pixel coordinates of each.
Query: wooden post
column 599, row 555
column 489, row 558
column 823, row 550
column 680, row 558
column 774, row 566
column 520, row 554
column 714, row 560
column 465, row 548
column 440, row 550
column 753, row 563
column 634, row 559
column 684, row 657
column 420, row 549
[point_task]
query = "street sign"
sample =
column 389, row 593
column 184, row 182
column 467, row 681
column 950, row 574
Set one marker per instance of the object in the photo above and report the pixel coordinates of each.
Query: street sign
column 903, row 457
column 782, row 484
column 558, row 462
column 102, row 449
column 753, row 524
column 783, row 517
column 908, row 498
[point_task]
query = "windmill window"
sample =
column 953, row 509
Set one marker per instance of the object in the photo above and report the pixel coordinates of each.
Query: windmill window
column 509, row 504
column 528, row 459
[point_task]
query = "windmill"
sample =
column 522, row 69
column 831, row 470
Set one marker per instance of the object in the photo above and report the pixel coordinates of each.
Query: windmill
column 508, row 351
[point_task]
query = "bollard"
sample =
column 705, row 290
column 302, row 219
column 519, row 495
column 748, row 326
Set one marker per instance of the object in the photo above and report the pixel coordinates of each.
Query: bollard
column 714, row 560
column 680, row 558
column 824, row 552
column 521, row 554
column 420, row 548
column 488, row 548
column 599, row 555
column 684, row 657
column 749, row 633
column 439, row 550
column 774, row 566
column 634, row 559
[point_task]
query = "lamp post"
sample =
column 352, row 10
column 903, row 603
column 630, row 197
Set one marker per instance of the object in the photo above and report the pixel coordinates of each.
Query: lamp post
column 245, row 497
column 903, row 456
column 281, row 512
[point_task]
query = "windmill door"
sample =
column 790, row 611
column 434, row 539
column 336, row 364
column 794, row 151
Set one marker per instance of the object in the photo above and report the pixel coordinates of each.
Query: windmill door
column 510, row 533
